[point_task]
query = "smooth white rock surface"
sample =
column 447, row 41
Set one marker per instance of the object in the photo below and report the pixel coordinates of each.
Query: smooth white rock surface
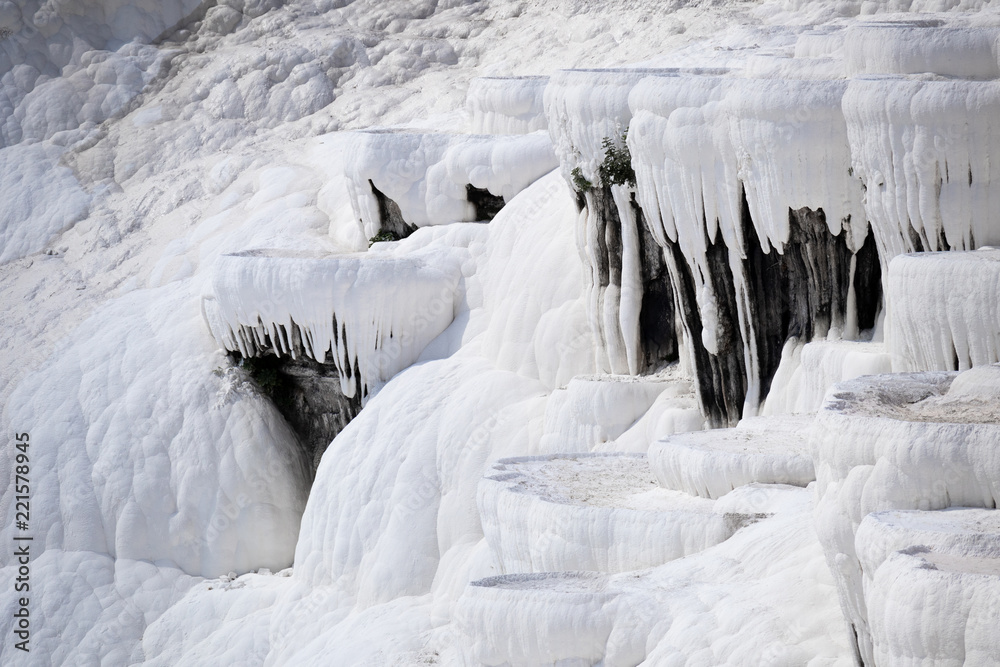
column 507, row 105
column 599, row 512
column 806, row 372
column 593, row 411
column 710, row 464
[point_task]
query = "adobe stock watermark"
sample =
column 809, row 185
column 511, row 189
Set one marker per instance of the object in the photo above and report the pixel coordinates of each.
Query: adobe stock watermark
column 22, row 540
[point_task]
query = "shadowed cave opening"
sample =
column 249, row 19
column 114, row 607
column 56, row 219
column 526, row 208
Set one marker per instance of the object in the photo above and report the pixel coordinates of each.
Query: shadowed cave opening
column 306, row 392
column 390, row 218
column 393, row 226
column 487, row 204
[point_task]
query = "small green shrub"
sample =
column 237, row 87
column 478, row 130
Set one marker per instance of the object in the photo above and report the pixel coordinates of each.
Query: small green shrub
column 580, row 182
column 615, row 170
column 383, row 235
column 617, row 166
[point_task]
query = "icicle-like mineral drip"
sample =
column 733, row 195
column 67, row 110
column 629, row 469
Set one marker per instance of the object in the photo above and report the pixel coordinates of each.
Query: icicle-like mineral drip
column 507, row 105
column 585, row 108
column 945, row 310
column 370, row 316
column 654, row 157
column 926, row 152
column 793, row 152
column 700, row 145
column 589, row 114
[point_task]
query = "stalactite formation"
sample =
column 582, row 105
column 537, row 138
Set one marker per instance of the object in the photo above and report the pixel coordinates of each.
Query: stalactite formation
column 719, row 378
column 803, row 292
column 369, row 314
column 799, row 293
column 307, row 393
column 657, row 342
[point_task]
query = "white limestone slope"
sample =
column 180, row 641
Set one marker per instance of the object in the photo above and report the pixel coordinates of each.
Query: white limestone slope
column 601, row 512
column 391, row 539
column 530, row 315
column 32, row 215
column 137, row 164
column 710, row 464
column 104, row 605
column 144, row 456
column 674, row 411
column 507, row 105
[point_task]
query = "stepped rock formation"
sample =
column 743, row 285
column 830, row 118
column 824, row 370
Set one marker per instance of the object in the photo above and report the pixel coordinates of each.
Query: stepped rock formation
column 390, row 332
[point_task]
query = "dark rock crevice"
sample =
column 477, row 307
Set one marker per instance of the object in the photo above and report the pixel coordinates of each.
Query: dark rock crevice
column 658, row 316
column 390, row 216
column 803, row 291
column 487, row 204
column 658, row 337
column 868, row 283
column 720, row 378
column 799, row 293
column 728, row 366
column 315, row 408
